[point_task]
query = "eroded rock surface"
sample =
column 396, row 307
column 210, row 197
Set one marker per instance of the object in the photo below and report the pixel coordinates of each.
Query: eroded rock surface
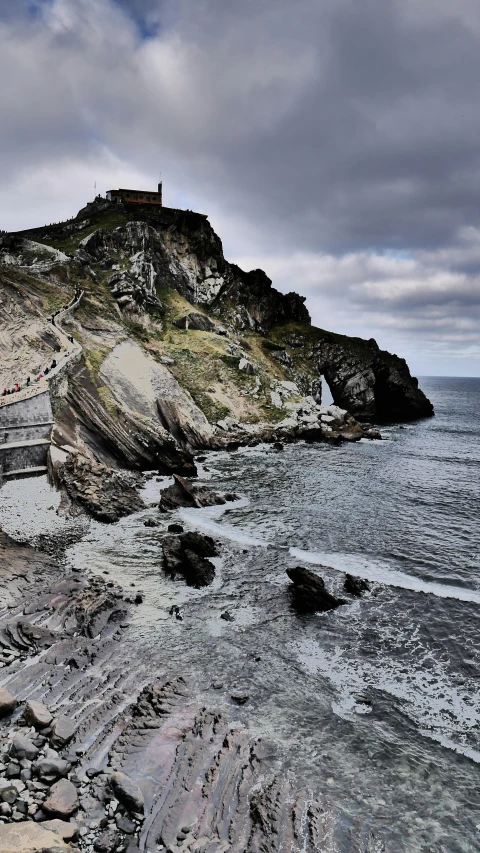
column 105, row 494
column 206, row 784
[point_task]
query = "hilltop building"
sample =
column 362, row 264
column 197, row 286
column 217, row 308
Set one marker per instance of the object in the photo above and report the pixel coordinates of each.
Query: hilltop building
column 136, row 196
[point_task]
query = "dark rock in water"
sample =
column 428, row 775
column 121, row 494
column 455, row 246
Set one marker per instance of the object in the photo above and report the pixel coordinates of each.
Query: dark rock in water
column 372, row 384
column 240, row 697
column 150, row 522
column 183, row 493
column 7, row 702
column 308, row 592
column 201, row 459
column 277, row 445
column 187, row 555
column 197, row 570
column 138, row 598
column 372, row 434
column 226, row 616
column 127, row 792
column 355, row 586
column 175, row 528
column 177, row 612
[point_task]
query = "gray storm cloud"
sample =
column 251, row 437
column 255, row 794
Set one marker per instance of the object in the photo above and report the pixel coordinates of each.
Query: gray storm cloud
column 334, row 143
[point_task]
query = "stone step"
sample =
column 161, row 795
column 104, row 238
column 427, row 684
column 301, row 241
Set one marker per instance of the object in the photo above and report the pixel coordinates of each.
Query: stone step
column 33, row 442
column 26, row 472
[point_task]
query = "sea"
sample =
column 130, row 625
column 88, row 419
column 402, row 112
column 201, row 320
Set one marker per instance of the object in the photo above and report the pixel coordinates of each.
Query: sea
column 374, row 707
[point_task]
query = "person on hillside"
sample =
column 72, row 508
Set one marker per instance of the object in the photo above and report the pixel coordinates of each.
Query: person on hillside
column 28, row 382
column 53, row 364
column 4, row 392
column 16, row 388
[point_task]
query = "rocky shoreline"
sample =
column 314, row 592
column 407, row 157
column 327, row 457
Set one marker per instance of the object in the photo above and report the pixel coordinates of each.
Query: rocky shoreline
column 101, row 757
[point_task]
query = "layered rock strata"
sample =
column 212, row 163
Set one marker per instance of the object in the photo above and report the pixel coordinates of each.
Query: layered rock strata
column 150, row 766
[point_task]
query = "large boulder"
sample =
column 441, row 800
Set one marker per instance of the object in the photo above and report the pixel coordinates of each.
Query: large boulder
column 37, row 714
column 63, row 731
column 355, row 586
column 184, row 493
column 308, row 592
column 22, row 747
column 50, row 769
column 62, row 800
column 7, row 702
column 127, row 792
column 188, row 555
column 29, row 837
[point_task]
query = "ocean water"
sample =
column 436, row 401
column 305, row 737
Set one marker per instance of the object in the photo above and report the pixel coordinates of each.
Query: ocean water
column 374, row 707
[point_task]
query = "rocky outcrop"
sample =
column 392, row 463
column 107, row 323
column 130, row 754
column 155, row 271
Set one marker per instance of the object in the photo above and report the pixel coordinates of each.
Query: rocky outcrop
column 355, row 586
column 105, row 494
column 184, row 493
column 125, row 438
column 178, row 250
column 369, row 382
column 309, row 594
column 187, row 555
column 195, row 321
column 255, row 304
column 151, row 395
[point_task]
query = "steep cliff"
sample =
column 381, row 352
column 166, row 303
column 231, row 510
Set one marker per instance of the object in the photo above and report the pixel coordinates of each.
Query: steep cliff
column 181, row 349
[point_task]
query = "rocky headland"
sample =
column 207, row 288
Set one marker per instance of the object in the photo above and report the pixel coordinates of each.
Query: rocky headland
column 176, row 349
column 171, row 350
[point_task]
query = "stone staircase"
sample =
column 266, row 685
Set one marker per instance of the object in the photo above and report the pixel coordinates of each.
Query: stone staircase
column 26, row 417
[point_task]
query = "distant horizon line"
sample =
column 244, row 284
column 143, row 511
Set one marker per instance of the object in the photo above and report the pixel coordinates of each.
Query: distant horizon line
column 444, row 376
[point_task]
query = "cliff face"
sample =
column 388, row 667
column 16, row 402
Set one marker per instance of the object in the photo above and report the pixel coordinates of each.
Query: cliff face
column 371, row 383
column 180, row 346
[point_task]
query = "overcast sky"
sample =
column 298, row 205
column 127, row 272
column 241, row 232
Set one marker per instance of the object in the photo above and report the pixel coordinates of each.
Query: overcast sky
column 334, row 143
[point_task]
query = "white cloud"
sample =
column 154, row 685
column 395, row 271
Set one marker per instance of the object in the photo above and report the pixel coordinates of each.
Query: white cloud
column 297, row 127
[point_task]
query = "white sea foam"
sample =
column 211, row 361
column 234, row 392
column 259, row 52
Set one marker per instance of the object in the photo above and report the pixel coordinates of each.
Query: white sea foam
column 443, row 711
column 374, row 570
column 205, row 520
